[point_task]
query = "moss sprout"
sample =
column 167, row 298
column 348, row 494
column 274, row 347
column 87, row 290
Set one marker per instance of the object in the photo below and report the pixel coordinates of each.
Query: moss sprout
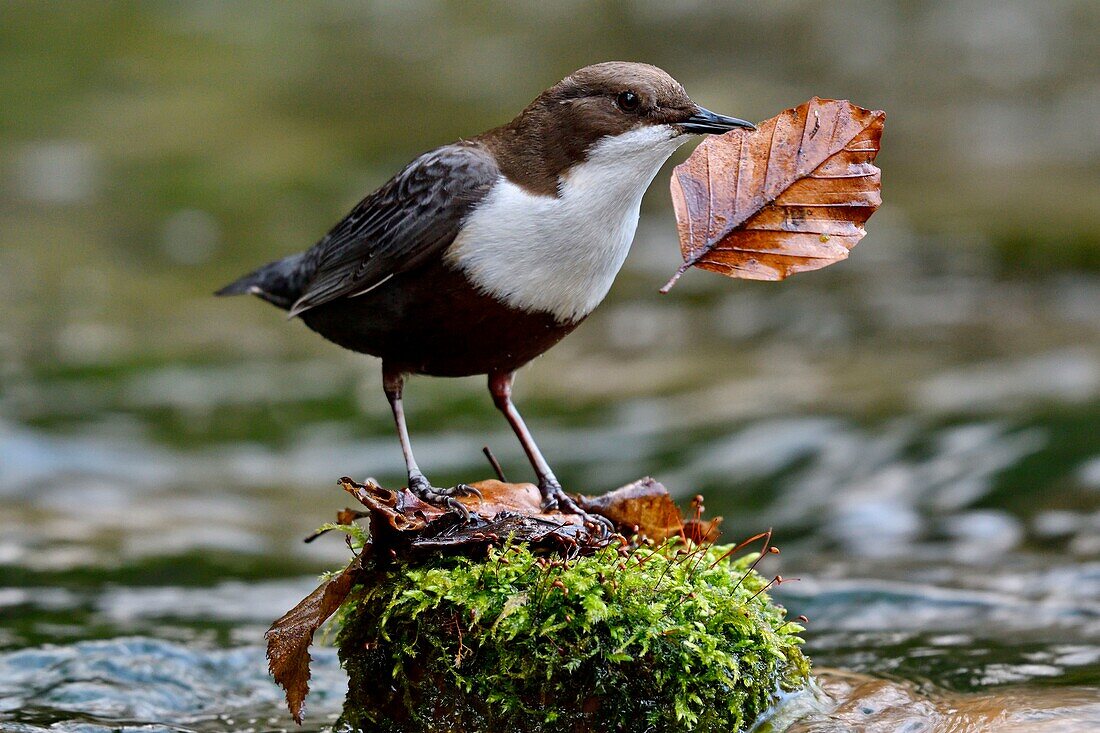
column 673, row 637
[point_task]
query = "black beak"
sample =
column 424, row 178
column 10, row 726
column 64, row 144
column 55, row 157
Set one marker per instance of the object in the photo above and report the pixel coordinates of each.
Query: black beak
column 705, row 121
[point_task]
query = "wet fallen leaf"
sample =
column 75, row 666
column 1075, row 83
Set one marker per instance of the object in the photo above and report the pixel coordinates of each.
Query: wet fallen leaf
column 407, row 526
column 645, row 504
column 791, row 196
column 289, row 638
column 402, row 522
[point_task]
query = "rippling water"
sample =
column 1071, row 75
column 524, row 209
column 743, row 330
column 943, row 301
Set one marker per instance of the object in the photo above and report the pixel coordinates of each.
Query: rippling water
column 943, row 518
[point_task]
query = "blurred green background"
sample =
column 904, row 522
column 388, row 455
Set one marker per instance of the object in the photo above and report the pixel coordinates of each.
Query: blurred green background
column 152, row 150
column 920, row 422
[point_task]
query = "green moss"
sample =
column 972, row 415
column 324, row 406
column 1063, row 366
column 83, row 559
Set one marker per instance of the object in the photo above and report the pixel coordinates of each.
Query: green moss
column 651, row 639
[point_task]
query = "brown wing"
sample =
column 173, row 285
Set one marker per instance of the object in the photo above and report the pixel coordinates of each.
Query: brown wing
column 409, row 220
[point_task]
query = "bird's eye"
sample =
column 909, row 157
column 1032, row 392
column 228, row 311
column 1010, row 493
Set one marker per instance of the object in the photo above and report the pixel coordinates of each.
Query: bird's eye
column 628, row 101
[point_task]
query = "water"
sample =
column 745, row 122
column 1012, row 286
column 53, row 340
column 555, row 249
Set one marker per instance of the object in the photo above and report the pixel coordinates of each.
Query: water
column 918, row 424
column 945, row 525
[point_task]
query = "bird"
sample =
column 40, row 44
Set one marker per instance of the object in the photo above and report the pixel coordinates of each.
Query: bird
column 482, row 254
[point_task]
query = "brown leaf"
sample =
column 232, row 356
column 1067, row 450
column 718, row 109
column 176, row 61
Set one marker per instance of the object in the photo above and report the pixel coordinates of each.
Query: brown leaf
column 402, row 523
column 646, row 504
column 790, row 196
column 289, row 638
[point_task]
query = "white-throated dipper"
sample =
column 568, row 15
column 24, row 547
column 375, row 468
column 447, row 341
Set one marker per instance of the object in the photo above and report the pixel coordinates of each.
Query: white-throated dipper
column 482, row 254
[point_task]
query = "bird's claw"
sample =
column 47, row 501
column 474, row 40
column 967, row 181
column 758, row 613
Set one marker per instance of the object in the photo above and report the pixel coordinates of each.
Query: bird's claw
column 464, row 490
column 554, row 498
column 443, row 498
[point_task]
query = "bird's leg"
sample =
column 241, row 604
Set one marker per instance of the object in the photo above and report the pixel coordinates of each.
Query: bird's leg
column 553, row 496
column 393, row 383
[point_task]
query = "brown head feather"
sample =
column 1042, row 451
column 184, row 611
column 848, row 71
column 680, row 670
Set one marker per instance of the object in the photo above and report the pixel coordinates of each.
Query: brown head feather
column 557, row 129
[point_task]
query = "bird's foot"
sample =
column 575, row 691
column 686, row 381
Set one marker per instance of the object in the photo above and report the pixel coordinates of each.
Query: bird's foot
column 442, row 498
column 554, row 498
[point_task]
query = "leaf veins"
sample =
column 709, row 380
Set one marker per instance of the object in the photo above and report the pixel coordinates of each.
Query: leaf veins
column 791, row 196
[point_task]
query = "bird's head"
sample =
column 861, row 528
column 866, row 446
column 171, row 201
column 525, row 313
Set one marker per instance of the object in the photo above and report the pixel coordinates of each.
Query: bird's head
column 617, row 97
column 631, row 111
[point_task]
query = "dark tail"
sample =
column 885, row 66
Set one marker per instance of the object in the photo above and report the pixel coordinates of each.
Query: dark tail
column 279, row 283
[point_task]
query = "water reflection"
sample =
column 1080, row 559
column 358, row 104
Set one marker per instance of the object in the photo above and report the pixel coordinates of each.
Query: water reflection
column 843, row 701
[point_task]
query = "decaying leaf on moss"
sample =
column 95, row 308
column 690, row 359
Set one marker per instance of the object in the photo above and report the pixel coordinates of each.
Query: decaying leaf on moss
column 644, row 507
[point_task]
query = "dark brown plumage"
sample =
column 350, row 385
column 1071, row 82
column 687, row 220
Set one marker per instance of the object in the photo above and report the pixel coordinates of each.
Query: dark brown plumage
column 445, row 328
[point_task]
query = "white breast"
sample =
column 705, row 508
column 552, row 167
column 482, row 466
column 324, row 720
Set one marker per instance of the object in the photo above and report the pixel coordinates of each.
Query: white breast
column 561, row 254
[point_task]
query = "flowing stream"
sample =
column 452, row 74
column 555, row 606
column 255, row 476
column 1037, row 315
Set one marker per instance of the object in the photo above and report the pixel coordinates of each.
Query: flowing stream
column 945, row 529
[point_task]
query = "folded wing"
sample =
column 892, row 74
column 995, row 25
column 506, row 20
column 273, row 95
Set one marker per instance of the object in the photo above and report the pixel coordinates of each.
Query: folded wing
column 405, row 223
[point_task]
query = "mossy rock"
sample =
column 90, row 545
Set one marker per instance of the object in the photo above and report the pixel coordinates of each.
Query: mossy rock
column 675, row 637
